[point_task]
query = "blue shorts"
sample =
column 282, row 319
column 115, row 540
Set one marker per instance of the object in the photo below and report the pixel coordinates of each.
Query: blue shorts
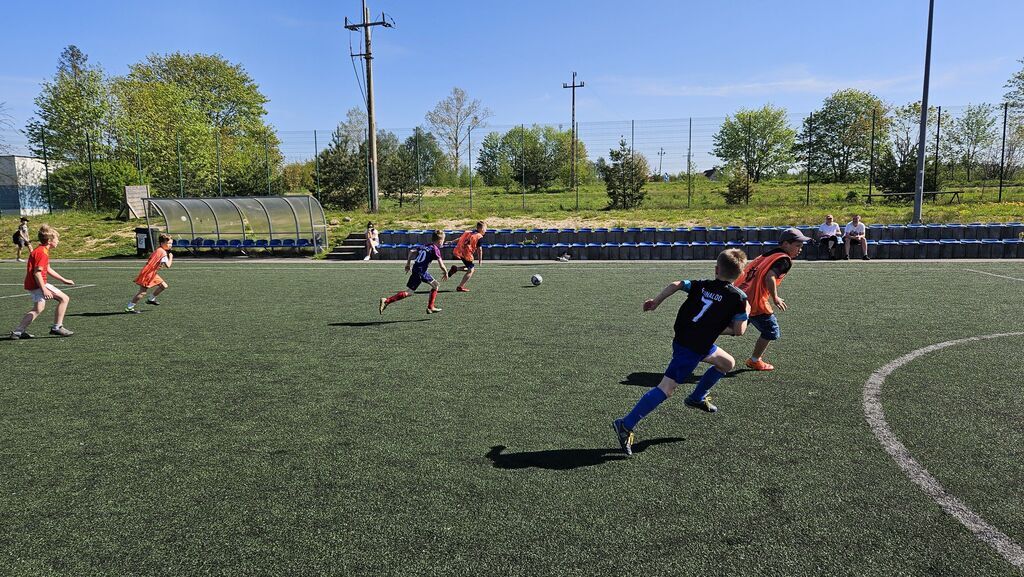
column 768, row 325
column 470, row 265
column 417, row 278
column 684, row 360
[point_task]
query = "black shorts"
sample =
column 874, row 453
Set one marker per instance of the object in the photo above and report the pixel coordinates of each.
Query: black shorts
column 470, row 265
column 416, row 279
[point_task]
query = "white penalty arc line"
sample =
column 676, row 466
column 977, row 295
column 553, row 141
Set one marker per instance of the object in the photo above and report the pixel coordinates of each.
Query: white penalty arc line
column 70, row 288
column 995, row 275
column 1002, row 543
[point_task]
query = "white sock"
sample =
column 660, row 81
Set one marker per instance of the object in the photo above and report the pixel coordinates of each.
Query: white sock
column 755, row 359
column 55, row 327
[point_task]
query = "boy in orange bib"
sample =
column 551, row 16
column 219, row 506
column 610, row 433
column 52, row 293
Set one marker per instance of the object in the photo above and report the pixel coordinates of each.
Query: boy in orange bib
column 466, row 249
column 760, row 281
column 148, row 277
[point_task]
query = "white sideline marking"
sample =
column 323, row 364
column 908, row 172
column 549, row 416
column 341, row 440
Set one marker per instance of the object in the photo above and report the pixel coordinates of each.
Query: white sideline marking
column 1003, row 544
column 70, row 288
column 995, row 275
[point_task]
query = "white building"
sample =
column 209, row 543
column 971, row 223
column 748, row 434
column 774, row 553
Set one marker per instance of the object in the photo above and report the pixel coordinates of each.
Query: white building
column 22, row 186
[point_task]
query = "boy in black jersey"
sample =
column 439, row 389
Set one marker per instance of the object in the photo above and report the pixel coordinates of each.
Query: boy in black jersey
column 712, row 308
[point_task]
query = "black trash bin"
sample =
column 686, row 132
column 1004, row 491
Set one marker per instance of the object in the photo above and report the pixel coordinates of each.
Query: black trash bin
column 145, row 240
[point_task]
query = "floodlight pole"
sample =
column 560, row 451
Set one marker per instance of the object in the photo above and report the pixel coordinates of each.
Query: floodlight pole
column 661, row 157
column 367, row 55
column 572, row 169
column 919, row 184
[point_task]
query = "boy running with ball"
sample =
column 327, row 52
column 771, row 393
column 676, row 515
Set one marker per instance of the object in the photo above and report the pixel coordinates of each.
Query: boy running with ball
column 712, row 308
column 148, row 277
column 424, row 255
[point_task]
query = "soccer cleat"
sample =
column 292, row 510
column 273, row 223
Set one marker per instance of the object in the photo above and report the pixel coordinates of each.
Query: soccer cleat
column 433, row 310
column 454, row 269
column 367, row 257
column 132, row 310
column 702, row 405
column 383, row 304
column 152, row 302
column 61, row 332
column 625, row 436
column 22, row 335
column 865, row 257
column 461, row 289
column 759, row 365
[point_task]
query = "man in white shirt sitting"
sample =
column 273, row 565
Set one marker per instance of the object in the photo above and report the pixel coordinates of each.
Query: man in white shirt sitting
column 829, row 236
column 856, row 232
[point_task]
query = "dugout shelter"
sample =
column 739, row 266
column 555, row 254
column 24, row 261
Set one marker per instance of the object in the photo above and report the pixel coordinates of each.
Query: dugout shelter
column 238, row 223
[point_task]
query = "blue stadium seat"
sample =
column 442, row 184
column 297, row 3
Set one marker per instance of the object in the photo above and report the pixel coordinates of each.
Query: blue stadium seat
column 275, row 243
column 221, row 243
column 262, row 243
column 181, row 243
column 288, row 242
column 248, row 243
column 209, row 243
column 235, row 243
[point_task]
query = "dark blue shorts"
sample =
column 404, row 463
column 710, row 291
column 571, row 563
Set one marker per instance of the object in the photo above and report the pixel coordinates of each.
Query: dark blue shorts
column 684, row 360
column 470, row 265
column 768, row 325
column 417, row 278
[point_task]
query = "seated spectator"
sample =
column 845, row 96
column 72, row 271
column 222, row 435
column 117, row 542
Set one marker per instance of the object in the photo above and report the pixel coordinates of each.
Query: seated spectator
column 856, row 232
column 830, row 236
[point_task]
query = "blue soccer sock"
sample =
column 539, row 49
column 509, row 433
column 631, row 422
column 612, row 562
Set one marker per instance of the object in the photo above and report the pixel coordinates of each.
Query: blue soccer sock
column 711, row 376
column 645, row 405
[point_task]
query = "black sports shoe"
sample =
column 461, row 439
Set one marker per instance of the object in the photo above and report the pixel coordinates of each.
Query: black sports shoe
column 625, row 436
column 702, row 405
column 23, row 335
column 152, row 302
column 866, row 257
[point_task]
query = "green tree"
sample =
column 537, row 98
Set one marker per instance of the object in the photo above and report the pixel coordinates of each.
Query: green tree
column 494, row 163
column 761, row 140
column 342, row 173
column 625, row 176
column 838, row 136
column 72, row 108
column 897, row 161
column 299, row 176
column 1015, row 89
column 70, row 184
column 971, row 134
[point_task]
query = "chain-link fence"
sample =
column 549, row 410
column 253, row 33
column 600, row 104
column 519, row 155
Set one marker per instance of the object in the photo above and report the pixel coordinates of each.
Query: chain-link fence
column 974, row 153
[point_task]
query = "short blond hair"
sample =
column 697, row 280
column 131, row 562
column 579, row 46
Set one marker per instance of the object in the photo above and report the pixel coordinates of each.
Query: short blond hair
column 47, row 233
column 730, row 263
column 437, row 235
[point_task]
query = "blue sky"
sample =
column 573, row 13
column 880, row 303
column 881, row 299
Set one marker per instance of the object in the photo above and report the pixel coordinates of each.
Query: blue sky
column 643, row 60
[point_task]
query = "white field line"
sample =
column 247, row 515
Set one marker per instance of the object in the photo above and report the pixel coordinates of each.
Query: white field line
column 995, row 275
column 1003, row 544
column 70, row 288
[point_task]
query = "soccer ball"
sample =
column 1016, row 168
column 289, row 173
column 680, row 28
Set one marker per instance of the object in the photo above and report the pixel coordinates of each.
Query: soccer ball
column 536, row 279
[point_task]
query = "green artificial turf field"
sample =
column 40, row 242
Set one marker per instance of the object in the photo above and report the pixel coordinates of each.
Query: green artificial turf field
column 265, row 420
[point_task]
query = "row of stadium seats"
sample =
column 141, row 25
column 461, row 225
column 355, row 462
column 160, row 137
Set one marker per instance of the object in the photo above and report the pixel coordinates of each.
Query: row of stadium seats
column 237, row 244
column 977, row 230
column 698, row 250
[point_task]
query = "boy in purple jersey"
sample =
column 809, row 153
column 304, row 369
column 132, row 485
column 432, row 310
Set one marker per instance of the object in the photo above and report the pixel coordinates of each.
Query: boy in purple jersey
column 712, row 308
column 424, row 255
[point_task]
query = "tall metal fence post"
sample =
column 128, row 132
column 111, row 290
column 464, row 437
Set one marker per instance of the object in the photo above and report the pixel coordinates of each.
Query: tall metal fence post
column 316, row 165
column 92, row 173
column 469, row 141
column 689, row 164
column 181, row 179
column 138, row 156
column 871, row 160
column 522, row 159
column 266, row 159
column 46, row 172
column 1002, row 158
column 938, row 132
column 810, row 150
column 220, row 189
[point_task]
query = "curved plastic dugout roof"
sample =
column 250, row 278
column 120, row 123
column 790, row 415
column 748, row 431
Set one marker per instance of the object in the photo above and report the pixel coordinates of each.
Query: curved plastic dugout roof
column 242, row 218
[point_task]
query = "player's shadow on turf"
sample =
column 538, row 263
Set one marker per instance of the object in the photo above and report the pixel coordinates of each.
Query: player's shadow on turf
column 108, row 314
column 566, row 459
column 652, row 379
column 374, row 323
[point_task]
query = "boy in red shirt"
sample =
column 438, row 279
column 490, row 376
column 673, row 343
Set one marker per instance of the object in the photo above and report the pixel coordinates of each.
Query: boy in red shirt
column 37, row 273
column 466, row 249
column 148, row 277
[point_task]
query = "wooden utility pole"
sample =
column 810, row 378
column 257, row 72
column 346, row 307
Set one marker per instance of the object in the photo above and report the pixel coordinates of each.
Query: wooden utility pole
column 572, row 169
column 367, row 55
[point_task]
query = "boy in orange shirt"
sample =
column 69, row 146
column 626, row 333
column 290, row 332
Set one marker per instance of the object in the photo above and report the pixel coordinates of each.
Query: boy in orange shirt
column 148, row 277
column 466, row 249
column 37, row 274
column 760, row 281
